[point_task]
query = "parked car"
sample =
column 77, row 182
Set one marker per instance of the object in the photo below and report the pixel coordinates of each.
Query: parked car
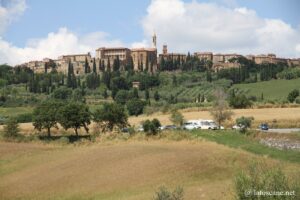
column 190, row 125
column 264, row 127
column 206, row 124
column 140, row 128
column 238, row 127
column 168, row 127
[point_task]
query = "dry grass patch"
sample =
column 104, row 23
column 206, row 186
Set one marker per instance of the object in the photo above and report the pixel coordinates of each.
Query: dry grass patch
column 125, row 170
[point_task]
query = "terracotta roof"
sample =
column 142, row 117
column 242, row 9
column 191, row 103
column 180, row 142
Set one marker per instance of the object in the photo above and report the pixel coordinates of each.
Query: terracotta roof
column 144, row 49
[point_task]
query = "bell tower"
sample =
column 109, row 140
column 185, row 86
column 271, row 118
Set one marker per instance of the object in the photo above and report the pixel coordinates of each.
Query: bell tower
column 154, row 40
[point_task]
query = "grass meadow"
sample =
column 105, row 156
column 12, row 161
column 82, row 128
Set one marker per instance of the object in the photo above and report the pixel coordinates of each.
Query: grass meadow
column 203, row 163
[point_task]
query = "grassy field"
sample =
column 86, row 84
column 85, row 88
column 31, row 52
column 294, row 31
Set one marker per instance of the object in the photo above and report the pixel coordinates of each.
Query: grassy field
column 274, row 89
column 14, row 111
column 130, row 170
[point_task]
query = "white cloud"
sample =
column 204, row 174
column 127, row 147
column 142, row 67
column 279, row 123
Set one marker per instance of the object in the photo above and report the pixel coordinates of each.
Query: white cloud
column 141, row 44
column 199, row 26
column 55, row 44
column 10, row 10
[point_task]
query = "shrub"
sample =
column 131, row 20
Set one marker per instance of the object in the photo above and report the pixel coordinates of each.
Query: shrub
column 164, row 194
column 151, row 127
column 135, row 107
column 244, row 123
column 293, row 95
column 24, row 118
column 240, row 101
column 177, row 118
column 62, row 93
column 260, row 177
column 64, row 140
column 11, row 128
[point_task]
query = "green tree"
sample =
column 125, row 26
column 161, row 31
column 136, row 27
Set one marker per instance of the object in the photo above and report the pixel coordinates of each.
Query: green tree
column 86, row 66
column 116, row 64
column 244, row 123
column 220, row 110
column 11, row 128
column 135, row 93
column 45, row 116
column 135, row 106
column 293, row 95
column 156, row 96
column 105, row 94
column 121, row 97
column 74, row 115
column 94, row 66
column 177, row 118
column 147, row 95
column 62, row 93
column 151, row 127
column 78, row 95
column 111, row 115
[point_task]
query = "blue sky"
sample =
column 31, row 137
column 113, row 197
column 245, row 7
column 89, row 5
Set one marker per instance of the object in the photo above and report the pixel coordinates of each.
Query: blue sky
column 131, row 23
column 122, row 19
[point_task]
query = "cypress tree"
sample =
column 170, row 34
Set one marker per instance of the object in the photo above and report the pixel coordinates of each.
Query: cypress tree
column 94, row 66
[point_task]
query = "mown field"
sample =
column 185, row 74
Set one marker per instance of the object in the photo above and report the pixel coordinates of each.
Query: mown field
column 272, row 90
column 130, row 169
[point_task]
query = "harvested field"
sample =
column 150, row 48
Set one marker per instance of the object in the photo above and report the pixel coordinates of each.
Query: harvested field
column 127, row 170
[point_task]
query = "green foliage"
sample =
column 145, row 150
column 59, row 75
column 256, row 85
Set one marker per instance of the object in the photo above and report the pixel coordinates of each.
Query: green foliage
column 74, row 115
column 151, row 127
column 92, row 81
column 121, row 97
column 244, row 123
column 62, row 93
column 11, row 128
column 111, row 115
column 262, row 178
column 156, row 96
column 293, row 95
column 220, row 110
column 146, row 80
column 239, row 101
column 289, row 73
column 176, row 118
column 164, row 194
column 46, row 114
column 135, row 106
column 24, row 117
column 78, row 95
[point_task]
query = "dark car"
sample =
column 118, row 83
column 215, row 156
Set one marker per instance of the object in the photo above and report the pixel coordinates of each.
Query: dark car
column 170, row 127
column 264, row 127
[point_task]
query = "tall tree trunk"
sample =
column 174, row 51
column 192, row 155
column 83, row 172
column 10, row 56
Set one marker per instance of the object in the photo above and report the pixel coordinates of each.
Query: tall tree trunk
column 76, row 132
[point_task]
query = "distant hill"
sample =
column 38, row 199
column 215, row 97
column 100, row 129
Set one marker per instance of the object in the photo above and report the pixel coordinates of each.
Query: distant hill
column 272, row 90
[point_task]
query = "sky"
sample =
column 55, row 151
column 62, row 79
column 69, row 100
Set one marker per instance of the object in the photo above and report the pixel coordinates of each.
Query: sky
column 35, row 29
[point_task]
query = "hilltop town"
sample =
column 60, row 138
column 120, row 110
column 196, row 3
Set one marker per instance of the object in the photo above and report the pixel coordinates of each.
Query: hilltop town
column 145, row 59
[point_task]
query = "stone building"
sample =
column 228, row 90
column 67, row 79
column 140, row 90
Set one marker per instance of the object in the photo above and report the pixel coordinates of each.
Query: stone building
column 144, row 58
column 76, row 57
column 171, row 56
column 207, row 56
column 113, row 53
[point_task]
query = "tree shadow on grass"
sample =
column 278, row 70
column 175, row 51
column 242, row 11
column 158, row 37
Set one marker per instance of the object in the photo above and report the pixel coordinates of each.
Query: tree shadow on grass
column 70, row 138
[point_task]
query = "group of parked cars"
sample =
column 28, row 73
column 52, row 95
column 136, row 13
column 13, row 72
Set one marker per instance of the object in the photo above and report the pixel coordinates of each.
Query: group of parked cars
column 191, row 125
column 203, row 124
column 263, row 127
